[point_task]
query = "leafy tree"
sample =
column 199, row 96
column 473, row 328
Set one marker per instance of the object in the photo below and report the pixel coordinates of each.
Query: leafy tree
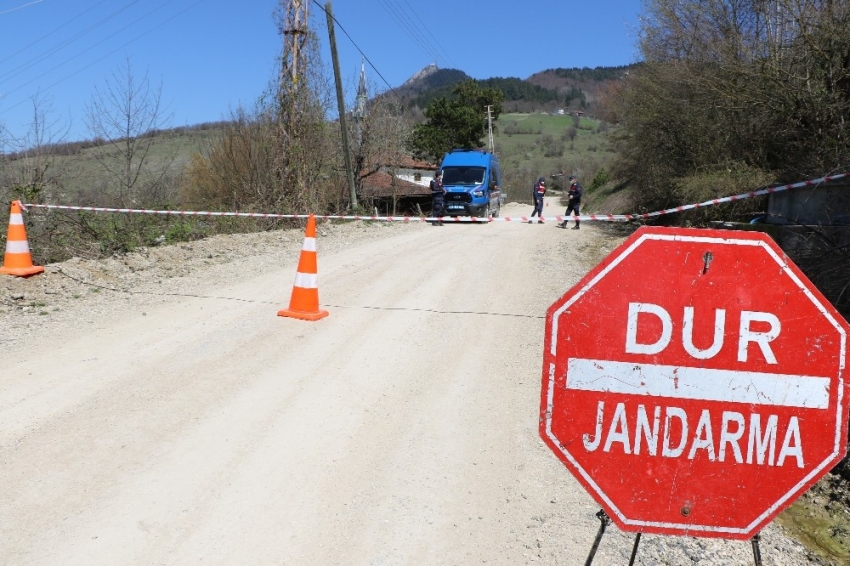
column 457, row 122
column 515, row 89
column 600, row 180
column 587, row 74
column 575, row 94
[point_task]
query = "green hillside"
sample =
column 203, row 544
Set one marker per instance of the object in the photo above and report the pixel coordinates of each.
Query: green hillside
column 531, row 145
column 74, row 174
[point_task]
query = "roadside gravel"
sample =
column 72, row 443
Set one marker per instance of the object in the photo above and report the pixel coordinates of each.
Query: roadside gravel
column 88, row 290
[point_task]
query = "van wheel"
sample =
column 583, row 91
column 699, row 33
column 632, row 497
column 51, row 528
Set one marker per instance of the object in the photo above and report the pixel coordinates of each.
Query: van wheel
column 486, row 213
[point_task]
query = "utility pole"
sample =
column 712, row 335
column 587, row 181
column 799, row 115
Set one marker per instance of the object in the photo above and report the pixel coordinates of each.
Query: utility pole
column 340, row 101
column 293, row 25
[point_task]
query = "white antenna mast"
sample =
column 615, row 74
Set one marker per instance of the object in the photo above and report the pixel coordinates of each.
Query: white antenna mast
column 490, row 129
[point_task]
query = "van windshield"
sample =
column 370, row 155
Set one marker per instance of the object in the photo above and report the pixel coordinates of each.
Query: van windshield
column 463, row 175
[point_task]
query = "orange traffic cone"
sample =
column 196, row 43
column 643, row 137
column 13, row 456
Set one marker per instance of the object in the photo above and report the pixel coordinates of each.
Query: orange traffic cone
column 304, row 303
column 18, row 260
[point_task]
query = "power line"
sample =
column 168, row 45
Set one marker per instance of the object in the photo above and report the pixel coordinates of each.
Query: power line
column 412, row 30
column 110, row 36
column 56, row 48
column 125, row 44
column 374, row 68
column 51, row 32
column 433, row 44
column 428, row 31
column 20, row 7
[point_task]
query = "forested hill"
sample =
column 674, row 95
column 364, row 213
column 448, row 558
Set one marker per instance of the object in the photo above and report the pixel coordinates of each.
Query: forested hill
column 575, row 89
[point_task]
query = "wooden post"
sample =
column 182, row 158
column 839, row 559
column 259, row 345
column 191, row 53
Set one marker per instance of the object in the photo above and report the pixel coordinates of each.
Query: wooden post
column 340, row 101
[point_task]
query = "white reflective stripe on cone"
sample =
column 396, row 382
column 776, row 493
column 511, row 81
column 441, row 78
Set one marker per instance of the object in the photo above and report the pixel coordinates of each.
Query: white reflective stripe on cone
column 16, row 219
column 309, row 245
column 307, row 280
column 17, row 247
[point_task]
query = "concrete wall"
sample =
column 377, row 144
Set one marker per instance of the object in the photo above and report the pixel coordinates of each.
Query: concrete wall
column 409, row 175
column 826, row 205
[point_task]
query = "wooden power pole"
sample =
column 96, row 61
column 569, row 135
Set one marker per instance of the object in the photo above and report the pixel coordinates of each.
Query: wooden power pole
column 340, row 102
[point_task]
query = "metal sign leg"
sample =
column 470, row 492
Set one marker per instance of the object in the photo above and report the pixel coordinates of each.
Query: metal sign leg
column 756, row 549
column 604, row 521
column 634, row 550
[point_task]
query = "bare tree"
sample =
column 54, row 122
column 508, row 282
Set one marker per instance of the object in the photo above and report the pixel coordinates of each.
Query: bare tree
column 379, row 138
column 124, row 116
column 237, row 171
column 280, row 155
column 268, row 161
column 28, row 170
column 34, row 170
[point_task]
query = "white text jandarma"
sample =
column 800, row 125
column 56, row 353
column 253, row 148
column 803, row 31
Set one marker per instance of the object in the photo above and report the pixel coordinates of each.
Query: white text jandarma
column 750, row 439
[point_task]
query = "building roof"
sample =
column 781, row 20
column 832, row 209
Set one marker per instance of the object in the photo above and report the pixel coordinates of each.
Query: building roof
column 403, row 162
column 408, row 162
column 382, row 184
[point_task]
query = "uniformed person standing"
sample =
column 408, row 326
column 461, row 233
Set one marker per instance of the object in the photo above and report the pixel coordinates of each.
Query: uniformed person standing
column 438, row 197
column 573, row 202
column 538, row 191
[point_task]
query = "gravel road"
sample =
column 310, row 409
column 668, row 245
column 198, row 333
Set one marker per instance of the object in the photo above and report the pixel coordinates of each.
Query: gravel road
column 155, row 410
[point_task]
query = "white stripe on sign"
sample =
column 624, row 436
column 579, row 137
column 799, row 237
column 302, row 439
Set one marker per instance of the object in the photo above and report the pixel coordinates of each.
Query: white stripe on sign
column 16, row 219
column 17, row 247
column 309, row 245
column 306, row 280
column 746, row 387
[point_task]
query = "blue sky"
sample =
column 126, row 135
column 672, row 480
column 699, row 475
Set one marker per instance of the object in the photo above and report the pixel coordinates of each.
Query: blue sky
column 211, row 56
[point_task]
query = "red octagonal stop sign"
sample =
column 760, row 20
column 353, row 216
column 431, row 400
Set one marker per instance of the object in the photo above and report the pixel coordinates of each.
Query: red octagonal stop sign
column 694, row 382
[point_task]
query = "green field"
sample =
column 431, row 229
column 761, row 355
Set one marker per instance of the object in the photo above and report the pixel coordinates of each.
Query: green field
column 531, row 145
column 82, row 176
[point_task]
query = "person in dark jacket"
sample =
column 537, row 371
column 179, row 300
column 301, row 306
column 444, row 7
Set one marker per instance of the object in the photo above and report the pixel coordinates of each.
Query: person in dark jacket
column 538, row 192
column 573, row 202
column 438, row 197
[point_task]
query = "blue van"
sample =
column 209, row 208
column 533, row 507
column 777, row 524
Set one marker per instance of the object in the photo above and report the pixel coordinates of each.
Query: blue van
column 473, row 183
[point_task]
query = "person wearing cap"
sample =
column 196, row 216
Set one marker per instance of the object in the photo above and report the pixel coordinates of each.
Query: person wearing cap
column 438, row 197
column 573, row 202
column 538, row 192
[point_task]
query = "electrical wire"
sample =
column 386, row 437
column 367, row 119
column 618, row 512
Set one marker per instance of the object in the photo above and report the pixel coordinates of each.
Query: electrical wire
column 412, row 31
column 80, row 70
column 51, row 32
column 10, row 10
column 134, row 22
column 374, row 68
column 427, row 29
column 56, row 48
column 255, row 301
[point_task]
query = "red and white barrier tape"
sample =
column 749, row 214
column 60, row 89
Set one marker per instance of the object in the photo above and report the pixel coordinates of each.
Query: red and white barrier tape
column 713, row 202
column 455, row 219
column 260, row 214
